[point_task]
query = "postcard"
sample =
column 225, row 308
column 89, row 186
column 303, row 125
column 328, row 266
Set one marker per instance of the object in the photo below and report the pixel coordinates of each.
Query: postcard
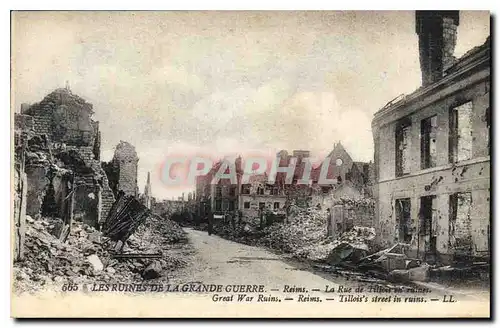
column 250, row 164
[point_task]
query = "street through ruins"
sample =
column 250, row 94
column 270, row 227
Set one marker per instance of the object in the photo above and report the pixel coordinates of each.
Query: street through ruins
column 217, row 261
column 252, row 157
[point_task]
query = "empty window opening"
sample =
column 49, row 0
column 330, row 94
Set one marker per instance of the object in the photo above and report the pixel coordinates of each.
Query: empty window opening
column 403, row 148
column 428, row 227
column 461, row 133
column 403, row 219
column 428, row 132
column 245, row 189
column 460, row 229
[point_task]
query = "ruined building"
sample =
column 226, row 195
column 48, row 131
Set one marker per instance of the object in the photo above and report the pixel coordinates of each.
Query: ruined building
column 350, row 197
column 58, row 148
column 353, row 179
column 168, row 207
column 249, row 198
column 222, row 196
column 432, row 151
column 122, row 170
column 259, row 195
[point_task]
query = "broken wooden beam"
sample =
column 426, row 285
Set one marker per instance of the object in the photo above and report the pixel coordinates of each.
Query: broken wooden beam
column 137, row 255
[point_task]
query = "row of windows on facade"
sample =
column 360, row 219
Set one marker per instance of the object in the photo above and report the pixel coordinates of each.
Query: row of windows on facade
column 459, row 221
column 218, row 191
column 224, row 206
column 262, row 205
column 460, row 135
column 245, row 190
column 230, row 205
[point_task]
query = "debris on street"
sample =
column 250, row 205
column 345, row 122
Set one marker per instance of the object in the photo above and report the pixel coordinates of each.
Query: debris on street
column 352, row 253
column 358, row 240
column 84, row 258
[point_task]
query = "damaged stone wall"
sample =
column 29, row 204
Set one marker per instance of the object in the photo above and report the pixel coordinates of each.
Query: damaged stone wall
column 474, row 223
column 107, row 197
column 48, row 187
column 63, row 144
column 23, row 122
column 477, row 221
column 38, row 182
column 362, row 212
column 64, row 117
column 359, row 212
column 445, row 179
column 43, row 121
column 122, row 170
column 91, row 176
column 360, row 208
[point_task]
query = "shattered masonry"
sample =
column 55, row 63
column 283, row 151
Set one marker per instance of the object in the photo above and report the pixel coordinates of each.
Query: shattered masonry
column 432, row 151
column 122, row 169
column 61, row 158
column 63, row 232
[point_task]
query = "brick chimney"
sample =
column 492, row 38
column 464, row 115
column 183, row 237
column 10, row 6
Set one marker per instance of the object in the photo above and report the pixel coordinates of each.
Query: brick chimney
column 437, row 37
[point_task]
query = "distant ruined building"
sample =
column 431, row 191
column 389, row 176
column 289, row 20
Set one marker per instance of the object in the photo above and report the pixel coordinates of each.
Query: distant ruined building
column 349, row 179
column 356, row 176
column 122, row 170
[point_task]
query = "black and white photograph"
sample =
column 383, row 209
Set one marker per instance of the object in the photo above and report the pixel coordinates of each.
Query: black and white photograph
column 251, row 164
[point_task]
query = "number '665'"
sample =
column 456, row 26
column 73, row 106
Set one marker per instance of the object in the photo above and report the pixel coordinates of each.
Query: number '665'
column 69, row 288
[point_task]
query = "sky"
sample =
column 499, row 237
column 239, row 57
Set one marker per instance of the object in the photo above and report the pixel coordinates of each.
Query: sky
column 222, row 83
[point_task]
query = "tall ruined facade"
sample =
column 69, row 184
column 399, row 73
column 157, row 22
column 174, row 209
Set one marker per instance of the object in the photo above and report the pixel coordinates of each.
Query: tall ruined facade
column 432, row 151
column 60, row 146
column 122, row 170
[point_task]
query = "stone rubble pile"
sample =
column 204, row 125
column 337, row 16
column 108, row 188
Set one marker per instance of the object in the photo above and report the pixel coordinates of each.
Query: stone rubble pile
column 166, row 231
column 86, row 257
column 306, row 228
column 304, row 236
column 355, row 202
column 360, row 238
